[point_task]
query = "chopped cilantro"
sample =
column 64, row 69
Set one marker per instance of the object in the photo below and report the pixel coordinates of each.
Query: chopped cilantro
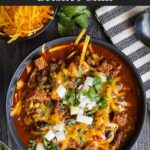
column 62, row 111
column 97, row 80
column 71, row 15
column 46, row 143
column 97, row 98
column 80, row 132
column 70, row 97
column 42, row 87
column 97, row 88
column 78, row 80
column 32, row 145
column 54, row 146
column 66, row 132
column 71, row 121
column 102, row 103
column 81, row 142
column 93, row 95
column 48, row 146
column 110, row 81
column 91, row 112
column 80, row 72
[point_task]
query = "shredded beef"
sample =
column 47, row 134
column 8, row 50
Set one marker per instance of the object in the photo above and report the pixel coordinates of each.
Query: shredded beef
column 72, row 144
column 90, row 146
column 115, row 145
column 120, row 119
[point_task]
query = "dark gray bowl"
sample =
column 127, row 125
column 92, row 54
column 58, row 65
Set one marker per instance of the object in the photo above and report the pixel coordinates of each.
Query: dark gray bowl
column 6, row 38
column 142, row 102
column 4, row 146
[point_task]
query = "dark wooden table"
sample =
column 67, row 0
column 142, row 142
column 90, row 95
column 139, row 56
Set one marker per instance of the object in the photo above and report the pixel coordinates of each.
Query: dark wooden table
column 11, row 56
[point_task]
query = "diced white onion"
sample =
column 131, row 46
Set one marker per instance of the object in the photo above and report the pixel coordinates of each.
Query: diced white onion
column 91, row 105
column 80, row 87
column 84, row 119
column 88, row 81
column 61, row 91
column 85, row 87
column 103, row 137
column 60, row 136
column 40, row 146
column 64, row 102
column 84, row 100
column 49, row 135
column 103, row 77
column 74, row 110
column 59, row 127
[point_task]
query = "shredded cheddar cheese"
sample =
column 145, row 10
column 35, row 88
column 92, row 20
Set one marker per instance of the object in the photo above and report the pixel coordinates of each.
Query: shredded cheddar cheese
column 86, row 42
column 58, row 48
column 23, row 21
column 79, row 36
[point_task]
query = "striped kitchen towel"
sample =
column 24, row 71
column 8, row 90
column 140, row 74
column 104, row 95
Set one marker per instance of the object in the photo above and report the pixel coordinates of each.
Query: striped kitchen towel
column 118, row 23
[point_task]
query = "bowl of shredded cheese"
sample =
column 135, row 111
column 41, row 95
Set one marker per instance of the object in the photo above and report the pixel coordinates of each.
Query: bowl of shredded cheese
column 24, row 22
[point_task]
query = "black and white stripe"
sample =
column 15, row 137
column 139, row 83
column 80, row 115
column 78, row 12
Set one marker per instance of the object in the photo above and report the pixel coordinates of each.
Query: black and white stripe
column 118, row 22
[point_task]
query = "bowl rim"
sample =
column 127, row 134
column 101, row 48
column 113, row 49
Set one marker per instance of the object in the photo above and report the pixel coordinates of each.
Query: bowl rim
column 37, row 51
column 40, row 31
column 4, row 145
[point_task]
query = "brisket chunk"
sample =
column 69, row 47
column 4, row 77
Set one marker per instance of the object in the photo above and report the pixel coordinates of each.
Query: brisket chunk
column 40, row 63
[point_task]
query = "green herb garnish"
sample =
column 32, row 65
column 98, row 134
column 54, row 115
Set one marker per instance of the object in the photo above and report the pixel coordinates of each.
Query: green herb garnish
column 71, row 15
column 66, row 132
column 93, row 94
column 80, row 132
column 32, row 145
column 70, row 97
column 42, row 87
column 102, row 103
column 97, row 80
column 97, row 88
column 62, row 112
column 71, row 121
column 80, row 72
column 54, row 146
column 110, row 81
column 48, row 146
column 46, row 143
column 78, row 80
column 92, row 112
